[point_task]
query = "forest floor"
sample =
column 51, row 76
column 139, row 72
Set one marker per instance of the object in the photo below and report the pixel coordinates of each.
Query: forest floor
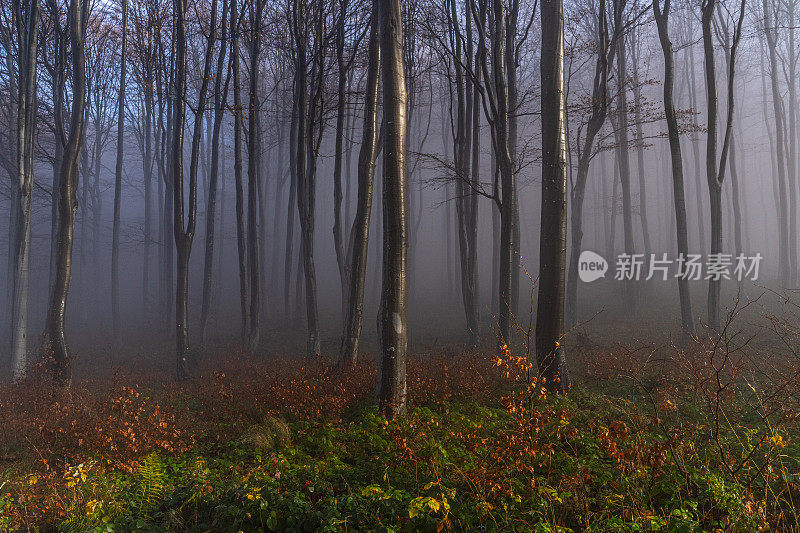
column 661, row 435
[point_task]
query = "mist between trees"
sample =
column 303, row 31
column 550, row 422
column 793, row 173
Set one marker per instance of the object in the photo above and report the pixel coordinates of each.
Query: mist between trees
column 233, row 171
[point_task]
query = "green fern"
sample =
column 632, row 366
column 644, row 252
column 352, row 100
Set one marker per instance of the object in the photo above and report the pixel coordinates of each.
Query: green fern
column 76, row 522
column 151, row 484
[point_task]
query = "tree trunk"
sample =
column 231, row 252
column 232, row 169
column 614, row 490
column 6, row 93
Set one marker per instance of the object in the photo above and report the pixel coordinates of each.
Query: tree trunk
column 27, row 39
column 359, row 234
column 287, row 265
column 393, row 324
column 777, row 103
column 337, row 165
column 695, row 141
column 147, row 173
column 115, row 319
column 595, row 123
column 715, row 174
column 184, row 235
column 55, row 335
column 253, row 167
column 508, row 189
column 662, row 21
column 637, row 105
column 550, row 355
column 791, row 162
column 244, row 283
column 624, row 159
column 220, row 97
column 306, row 153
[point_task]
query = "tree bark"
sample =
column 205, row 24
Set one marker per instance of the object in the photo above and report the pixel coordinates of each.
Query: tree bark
column 27, row 45
column 359, row 234
column 550, row 355
column 393, row 321
column 56, row 345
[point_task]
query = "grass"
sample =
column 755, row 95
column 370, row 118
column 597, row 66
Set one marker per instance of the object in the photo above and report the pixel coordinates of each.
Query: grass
column 655, row 436
column 300, row 449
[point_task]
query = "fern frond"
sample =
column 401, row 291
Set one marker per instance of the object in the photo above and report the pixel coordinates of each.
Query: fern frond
column 151, row 484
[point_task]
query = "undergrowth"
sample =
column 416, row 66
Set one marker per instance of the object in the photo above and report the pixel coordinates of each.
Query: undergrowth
column 250, row 446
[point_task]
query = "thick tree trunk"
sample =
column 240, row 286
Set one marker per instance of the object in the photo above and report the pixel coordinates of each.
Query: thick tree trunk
column 56, row 345
column 513, row 103
column 147, row 173
column 508, row 188
column 393, row 322
column 287, row 265
column 277, row 206
column 785, row 270
column 309, row 126
column 27, row 39
column 638, row 117
column 181, row 245
column 553, row 242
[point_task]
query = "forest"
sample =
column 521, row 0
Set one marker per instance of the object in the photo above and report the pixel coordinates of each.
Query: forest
column 400, row 265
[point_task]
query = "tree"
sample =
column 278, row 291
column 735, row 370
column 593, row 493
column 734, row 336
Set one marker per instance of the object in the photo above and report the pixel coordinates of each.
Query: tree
column 309, row 99
column 144, row 47
column 496, row 108
column 662, row 22
column 550, row 355
column 605, row 57
column 341, row 101
column 715, row 170
column 393, row 326
column 359, row 234
column 220, row 97
column 466, row 174
column 784, row 222
column 622, row 144
column 238, row 126
column 184, row 234
column 27, row 30
column 253, row 169
column 56, row 344
column 118, row 174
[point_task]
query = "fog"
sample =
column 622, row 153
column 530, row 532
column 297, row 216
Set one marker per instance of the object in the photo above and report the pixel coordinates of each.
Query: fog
column 766, row 198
